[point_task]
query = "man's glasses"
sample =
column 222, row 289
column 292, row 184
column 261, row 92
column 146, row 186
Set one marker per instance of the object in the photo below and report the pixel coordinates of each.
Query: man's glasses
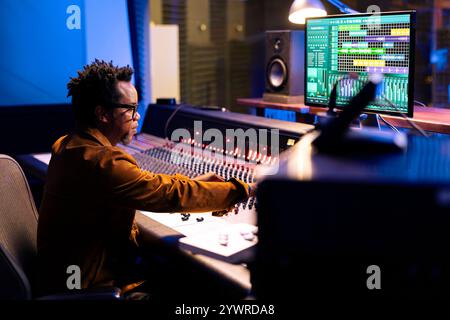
column 132, row 107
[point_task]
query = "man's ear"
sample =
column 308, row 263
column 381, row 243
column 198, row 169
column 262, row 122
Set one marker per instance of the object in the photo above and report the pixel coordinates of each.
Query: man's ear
column 101, row 114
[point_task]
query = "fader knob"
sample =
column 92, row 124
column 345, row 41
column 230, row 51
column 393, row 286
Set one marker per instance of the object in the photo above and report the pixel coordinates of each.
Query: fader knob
column 223, row 238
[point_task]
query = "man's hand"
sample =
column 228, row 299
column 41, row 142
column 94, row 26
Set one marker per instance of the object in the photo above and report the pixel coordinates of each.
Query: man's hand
column 252, row 192
column 209, row 177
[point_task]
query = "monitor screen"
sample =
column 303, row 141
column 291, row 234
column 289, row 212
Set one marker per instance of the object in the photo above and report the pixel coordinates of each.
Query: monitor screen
column 343, row 50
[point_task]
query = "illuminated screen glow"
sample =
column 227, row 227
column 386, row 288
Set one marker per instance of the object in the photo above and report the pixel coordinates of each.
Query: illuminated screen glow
column 346, row 49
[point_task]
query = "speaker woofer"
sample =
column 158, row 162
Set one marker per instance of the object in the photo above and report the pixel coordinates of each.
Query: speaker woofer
column 277, row 74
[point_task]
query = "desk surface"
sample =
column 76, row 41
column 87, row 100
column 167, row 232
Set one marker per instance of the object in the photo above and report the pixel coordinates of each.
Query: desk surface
column 430, row 119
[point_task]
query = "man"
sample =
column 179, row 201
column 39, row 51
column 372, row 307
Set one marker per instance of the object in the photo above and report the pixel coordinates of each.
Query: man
column 93, row 187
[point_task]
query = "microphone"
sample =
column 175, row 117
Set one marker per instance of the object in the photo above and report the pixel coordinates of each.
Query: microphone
column 337, row 127
column 334, row 136
column 332, row 103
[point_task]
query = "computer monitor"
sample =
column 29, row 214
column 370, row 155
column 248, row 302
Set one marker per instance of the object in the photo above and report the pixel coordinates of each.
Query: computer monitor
column 345, row 49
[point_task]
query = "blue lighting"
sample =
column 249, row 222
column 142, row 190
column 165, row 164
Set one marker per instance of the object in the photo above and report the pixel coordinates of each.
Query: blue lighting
column 45, row 42
column 449, row 93
column 280, row 114
column 439, row 57
column 343, row 8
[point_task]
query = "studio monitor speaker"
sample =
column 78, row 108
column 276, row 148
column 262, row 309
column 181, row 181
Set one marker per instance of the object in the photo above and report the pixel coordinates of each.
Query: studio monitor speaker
column 284, row 70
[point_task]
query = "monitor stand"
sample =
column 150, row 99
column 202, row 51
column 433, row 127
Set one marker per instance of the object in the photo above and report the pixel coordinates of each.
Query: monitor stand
column 369, row 120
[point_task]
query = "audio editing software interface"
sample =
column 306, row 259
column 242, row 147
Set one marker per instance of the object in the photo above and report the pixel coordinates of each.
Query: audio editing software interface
column 345, row 50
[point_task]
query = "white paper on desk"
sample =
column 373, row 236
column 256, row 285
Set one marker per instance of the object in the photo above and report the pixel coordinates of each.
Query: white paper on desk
column 201, row 227
column 43, row 157
column 208, row 243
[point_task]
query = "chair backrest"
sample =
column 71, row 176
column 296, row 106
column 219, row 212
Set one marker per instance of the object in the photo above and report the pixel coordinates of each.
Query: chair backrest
column 18, row 231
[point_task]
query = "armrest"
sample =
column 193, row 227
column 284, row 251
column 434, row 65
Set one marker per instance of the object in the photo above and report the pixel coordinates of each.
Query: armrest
column 101, row 293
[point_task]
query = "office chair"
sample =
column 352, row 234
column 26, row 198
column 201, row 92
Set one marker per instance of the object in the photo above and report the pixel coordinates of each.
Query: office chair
column 18, row 234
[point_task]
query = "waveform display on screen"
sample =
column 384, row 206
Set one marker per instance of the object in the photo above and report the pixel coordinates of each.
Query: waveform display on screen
column 346, row 49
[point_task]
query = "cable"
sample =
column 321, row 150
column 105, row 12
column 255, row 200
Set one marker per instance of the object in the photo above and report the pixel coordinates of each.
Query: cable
column 415, row 126
column 421, row 103
column 412, row 124
column 166, row 126
column 388, row 124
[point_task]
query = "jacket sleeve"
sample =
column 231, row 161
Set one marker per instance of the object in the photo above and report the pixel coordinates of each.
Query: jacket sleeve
column 129, row 186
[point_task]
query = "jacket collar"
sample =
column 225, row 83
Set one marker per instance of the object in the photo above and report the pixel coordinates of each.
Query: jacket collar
column 97, row 135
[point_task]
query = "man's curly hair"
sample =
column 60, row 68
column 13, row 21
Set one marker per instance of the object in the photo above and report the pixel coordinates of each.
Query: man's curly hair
column 95, row 85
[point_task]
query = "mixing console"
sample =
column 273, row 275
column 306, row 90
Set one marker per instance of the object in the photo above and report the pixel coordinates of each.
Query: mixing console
column 228, row 236
column 161, row 156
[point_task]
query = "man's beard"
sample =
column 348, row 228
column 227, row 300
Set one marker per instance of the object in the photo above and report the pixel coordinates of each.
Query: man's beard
column 127, row 138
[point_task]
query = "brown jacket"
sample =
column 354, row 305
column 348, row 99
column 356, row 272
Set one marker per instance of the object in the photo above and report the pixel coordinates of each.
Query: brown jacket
column 87, row 212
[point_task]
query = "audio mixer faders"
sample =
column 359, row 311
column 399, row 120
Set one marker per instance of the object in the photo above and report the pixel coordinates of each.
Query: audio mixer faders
column 224, row 235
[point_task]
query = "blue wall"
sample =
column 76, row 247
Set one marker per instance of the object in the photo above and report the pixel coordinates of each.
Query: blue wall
column 39, row 53
column 108, row 31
